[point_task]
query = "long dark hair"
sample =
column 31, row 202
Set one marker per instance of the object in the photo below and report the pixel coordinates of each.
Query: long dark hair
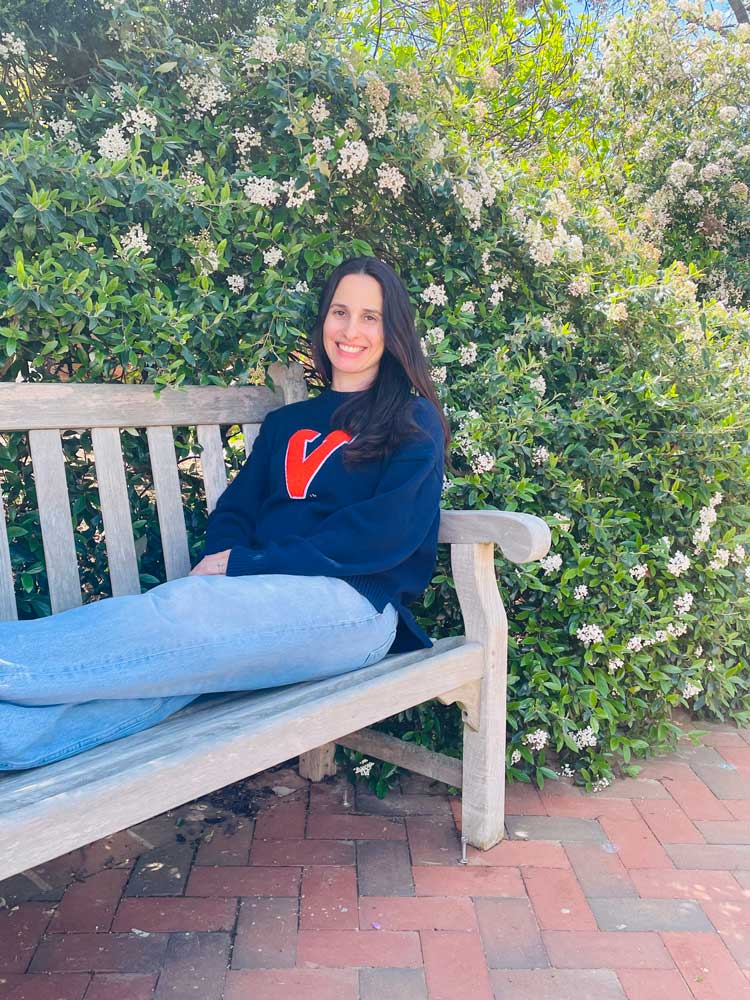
column 379, row 415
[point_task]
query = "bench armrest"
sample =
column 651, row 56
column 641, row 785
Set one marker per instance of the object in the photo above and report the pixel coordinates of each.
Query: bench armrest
column 522, row 537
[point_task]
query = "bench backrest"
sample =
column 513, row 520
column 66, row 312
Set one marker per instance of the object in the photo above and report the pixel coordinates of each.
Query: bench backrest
column 43, row 410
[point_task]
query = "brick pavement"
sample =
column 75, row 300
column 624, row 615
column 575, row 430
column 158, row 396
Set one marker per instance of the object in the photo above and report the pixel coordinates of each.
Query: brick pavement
column 275, row 889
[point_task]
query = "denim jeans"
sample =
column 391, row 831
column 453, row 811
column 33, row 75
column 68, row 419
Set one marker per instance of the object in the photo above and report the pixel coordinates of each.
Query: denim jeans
column 113, row 667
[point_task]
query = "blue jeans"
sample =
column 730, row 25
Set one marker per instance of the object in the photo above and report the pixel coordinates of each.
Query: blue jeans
column 96, row 673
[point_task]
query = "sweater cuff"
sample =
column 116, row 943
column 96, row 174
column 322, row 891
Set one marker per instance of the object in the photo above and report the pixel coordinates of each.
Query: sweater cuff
column 243, row 561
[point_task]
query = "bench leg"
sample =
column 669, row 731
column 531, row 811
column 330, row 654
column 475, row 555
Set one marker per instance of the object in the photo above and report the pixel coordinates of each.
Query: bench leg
column 319, row 763
column 483, row 788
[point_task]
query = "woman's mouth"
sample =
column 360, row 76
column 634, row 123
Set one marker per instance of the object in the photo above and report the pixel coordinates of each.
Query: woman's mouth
column 348, row 349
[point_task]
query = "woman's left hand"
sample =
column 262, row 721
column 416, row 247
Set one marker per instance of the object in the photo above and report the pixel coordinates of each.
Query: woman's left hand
column 212, row 565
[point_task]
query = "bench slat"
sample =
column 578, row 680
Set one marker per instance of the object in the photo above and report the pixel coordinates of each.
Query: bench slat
column 48, row 405
column 118, row 527
column 168, row 501
column 48, row 463
column 250, row 433
column 212, row 463
column 48, row 811
column 8, row 610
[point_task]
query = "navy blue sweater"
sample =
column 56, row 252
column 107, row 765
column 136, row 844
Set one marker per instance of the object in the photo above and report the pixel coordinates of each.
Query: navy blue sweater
column 295, row 508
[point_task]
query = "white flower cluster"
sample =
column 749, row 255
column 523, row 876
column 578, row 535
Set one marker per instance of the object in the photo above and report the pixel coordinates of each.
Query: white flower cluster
column 206, row 255
column 364, row 767
column 468, row 307
column 353, row 157
column 580, row 285
column 261, row 191
column 273, row 256
column 246, row 138
column 538, row 384
column 540, row 455
column 113, row 145
column 563, row 522
column 321, row 144
column 580, row 592
column 263, row 50
column 617, row 312
column 435, row 294
column 482, row 462
column 378, row 97
column 301, row 287
column 435, row 335
column 61, row 127
column 635, row 644
column 206, row 91
column 551, row 563
column 236, row 282
column 678, row 629
column 683, row 603
column 589, row 633
column 135, row 239
column 410, row 81
column 679, row 173
column 297, row 196
column 585, row 738
column 537, row 740
column 678, row 564
column 690, row 690
column 614, row 664
column 720, row 559
column 472, row 196
column 439, row 373
column 467, row 354
column 407, row 120
column 319, row 110
column 515, row 757
column 11, row 45
column 390, row 179
column 638, row 571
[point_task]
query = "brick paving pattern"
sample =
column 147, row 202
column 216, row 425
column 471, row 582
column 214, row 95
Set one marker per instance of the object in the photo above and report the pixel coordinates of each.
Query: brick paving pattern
column 278, row 889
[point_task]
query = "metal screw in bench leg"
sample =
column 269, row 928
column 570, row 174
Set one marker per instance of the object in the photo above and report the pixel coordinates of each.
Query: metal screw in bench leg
column 464, row 842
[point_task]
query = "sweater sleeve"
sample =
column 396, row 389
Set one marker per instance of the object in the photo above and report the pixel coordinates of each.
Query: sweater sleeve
column 231, row 520
column 370, row 536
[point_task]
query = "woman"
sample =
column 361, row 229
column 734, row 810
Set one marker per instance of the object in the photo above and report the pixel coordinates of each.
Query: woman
column 311, row 554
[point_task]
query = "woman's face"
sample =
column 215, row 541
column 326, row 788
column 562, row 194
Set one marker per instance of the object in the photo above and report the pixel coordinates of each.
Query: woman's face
column 355, row 320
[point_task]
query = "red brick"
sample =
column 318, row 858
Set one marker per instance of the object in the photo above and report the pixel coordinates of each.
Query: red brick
column 723, row 740
column 328, row 899
column 169, row 914
column 732, row 921
column 90, row 905
column 738, row 754
column 455, row 967
column 266, row 934
column 683, row 883
column 521, row 853
column 119, row 849
column 634, row 788
column 21, row 929
column 226, row 845
column 467, row 881
column 59, row 986
column 301, row 852
column 665, row 769
column 743, row 879
column 562, row 787
column 282, row 821
column 100, row 953
column 346, row 827
column 601, row 875
column 240, row 881
column 606, row 950
column 667, row 821
column 636, row 845
column 384, row 949
column 122, row 987
column 739, row 809
column 334, row 795
column 654, row 984
column 559, row 903
column 708, row 968
column 696, row 800
column 292, row 984
column 510, row 934
column 416, row 913
column 523, row 799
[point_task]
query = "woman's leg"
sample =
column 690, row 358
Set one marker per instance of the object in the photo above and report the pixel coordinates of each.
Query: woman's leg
column 191, row 636
column 120, row 665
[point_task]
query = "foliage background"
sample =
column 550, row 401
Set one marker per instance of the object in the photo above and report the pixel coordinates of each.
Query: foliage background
column 586, row 377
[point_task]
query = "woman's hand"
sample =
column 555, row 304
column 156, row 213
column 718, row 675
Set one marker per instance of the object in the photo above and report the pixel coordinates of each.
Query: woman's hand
column 213, row 565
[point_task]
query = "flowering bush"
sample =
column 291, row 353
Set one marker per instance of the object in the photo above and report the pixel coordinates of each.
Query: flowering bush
column 174, row 227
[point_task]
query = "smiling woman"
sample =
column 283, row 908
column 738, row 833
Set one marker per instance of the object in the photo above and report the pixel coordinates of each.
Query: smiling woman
column 353, row 332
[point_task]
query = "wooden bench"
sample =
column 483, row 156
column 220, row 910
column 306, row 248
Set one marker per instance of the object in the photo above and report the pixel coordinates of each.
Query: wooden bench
column 47, row 811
